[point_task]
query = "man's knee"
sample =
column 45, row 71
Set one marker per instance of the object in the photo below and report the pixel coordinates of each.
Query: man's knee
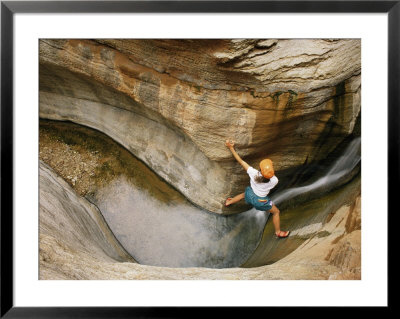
column 274, row 210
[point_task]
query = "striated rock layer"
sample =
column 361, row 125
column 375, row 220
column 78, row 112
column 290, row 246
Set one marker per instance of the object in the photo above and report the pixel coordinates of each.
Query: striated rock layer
column 75, row 243
column 172, row 103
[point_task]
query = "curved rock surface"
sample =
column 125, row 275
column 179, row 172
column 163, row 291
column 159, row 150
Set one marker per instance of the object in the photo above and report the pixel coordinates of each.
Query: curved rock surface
column 172, row 103
column 158, row 226
column 76, row 244
column 71, row 228
column 154, row 223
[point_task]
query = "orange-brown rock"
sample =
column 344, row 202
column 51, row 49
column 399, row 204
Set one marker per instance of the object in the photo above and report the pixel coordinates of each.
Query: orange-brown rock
column 172, row 103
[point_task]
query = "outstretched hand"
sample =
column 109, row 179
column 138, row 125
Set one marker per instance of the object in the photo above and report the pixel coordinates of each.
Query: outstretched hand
column 229, row 143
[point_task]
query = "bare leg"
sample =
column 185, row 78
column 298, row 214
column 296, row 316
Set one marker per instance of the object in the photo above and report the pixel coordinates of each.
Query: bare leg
column 234, row 200
column 276, row 221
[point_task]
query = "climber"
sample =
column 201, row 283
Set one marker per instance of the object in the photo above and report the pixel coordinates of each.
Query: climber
column 260, row 185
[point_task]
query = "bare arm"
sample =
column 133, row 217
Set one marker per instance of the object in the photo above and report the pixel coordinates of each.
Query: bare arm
column 231, row 145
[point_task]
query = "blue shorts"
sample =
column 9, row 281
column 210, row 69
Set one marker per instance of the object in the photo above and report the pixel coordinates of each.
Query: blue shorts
column 259, row 203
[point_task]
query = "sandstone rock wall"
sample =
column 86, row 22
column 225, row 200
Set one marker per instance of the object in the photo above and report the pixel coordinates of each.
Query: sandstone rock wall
column 172, row 103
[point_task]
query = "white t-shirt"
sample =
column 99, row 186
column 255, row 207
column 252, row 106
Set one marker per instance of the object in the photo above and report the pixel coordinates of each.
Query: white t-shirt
column 261, row 189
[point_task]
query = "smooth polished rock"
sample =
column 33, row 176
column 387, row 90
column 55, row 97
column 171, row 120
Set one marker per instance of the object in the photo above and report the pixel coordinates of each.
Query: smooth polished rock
column 151, row 220
column 75, row 244
column 71, row 226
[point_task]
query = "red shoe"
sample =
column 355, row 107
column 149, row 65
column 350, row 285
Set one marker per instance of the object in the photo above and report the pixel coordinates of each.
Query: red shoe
column 282, row 234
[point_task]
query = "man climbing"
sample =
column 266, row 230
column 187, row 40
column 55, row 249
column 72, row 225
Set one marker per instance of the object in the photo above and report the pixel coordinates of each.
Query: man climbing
column 260, row 185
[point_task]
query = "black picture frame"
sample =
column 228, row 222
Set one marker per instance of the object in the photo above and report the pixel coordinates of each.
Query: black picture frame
column 9, row 8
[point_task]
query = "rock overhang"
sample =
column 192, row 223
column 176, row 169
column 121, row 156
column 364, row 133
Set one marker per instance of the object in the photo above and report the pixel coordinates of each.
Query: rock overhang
column 174, row 113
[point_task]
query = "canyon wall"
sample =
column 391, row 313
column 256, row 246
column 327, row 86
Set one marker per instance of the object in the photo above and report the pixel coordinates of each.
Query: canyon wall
column 172, row 103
